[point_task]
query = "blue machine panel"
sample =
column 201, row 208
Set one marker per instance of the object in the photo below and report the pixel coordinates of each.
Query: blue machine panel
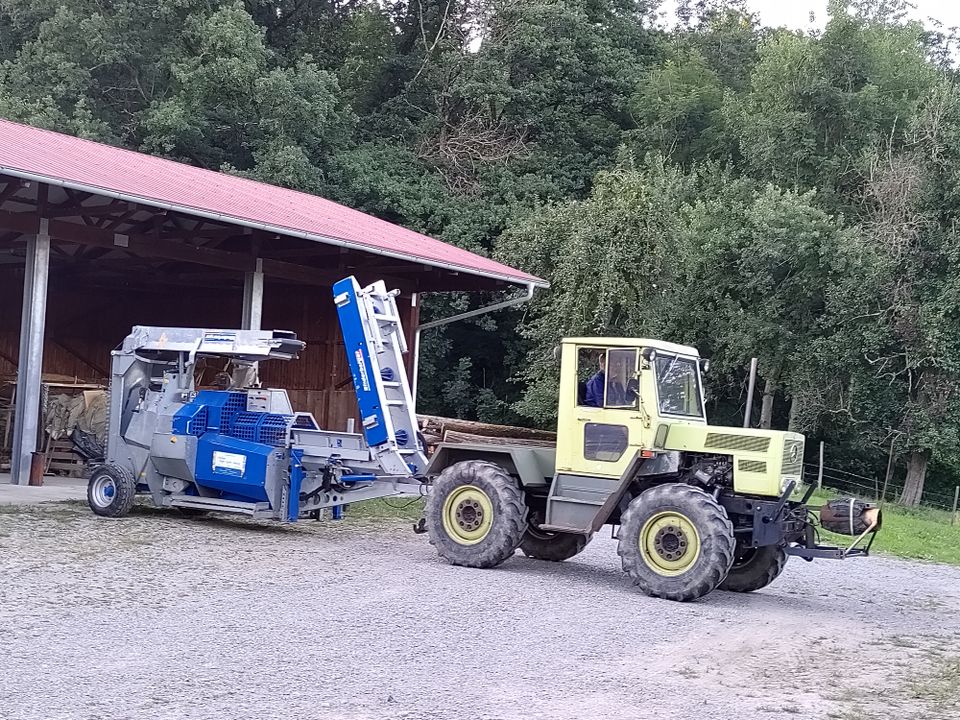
column 225, row 412
column 358, row 355
column 215, row 410
column 236, row 467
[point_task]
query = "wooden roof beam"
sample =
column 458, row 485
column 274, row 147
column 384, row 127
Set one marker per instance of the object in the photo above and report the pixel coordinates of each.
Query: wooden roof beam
column 149, row 246
column 61, row 211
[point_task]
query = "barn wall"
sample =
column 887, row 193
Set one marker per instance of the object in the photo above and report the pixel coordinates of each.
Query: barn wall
column 84, row 324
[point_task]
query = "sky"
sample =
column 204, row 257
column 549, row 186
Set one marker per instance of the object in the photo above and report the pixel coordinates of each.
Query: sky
column 796, row 13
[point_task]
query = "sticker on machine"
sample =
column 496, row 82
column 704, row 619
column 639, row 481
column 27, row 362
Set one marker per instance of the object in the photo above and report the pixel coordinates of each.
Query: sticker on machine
column 362, row 367
column 229, row 463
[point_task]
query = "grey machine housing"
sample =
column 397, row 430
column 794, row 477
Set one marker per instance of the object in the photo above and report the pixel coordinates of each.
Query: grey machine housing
column 243, row 449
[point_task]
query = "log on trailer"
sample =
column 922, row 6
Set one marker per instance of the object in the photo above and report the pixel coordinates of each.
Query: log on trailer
column 439, row 426
column 452, row 436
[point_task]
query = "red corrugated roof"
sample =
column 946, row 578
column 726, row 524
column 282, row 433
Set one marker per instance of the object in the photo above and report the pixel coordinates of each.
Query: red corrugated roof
column 83, row 164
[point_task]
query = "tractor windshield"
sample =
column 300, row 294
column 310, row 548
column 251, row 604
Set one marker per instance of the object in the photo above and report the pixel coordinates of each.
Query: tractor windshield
column 678, row 386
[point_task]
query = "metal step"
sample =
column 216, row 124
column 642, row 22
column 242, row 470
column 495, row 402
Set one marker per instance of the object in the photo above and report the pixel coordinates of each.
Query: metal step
column 257, row 509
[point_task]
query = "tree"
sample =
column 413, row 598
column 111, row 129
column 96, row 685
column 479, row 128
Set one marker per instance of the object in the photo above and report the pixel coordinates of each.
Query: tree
column 230, row 106
column 702, row 257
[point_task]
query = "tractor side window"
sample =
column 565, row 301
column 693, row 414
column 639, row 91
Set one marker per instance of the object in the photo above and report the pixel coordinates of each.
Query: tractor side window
column 621, row 379
column 590, row 376
column 604, row 442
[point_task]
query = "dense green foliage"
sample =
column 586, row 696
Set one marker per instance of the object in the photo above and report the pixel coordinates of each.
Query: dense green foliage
column 755, row 192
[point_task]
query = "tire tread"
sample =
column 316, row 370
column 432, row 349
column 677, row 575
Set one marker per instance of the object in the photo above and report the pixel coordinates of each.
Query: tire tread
column 510, row 514
column 753, row 576
column 717, row 528
column 126, row 491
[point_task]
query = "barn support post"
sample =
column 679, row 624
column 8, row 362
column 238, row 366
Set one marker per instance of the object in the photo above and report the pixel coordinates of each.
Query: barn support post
column 26, row 423
column 253, row 297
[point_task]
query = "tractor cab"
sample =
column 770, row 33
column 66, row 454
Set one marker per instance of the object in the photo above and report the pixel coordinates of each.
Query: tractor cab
column 616, row 392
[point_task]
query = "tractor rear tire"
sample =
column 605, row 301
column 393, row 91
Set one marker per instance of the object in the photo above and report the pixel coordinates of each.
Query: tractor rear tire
column 676, row 542
column 111, row 491
column 553, row 546
column 754, row 568
column 475, row 514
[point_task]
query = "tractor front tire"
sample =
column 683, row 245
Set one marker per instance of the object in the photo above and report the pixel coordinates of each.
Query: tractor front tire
column 475, row 514
column 754, row 568
column 111, row 491
column 553, row 546
column 676, row 542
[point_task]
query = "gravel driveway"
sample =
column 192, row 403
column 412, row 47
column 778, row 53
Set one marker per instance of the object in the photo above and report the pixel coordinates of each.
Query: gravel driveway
column 154, row 616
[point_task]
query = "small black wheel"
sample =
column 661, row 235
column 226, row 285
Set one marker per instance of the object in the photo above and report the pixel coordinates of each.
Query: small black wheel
column 676, row 542
column 475, row 514
column 553, row 546
column 754, row 568
column 111, row 491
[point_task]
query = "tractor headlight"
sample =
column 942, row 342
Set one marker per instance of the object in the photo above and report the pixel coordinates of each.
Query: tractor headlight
column 784, row 483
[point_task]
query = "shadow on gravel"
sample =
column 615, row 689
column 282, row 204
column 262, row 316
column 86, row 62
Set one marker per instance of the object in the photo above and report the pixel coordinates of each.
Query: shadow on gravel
column 571, row 571
column 593, row 576
column 213, row 521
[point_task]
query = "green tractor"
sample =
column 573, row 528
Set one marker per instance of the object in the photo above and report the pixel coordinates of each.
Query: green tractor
column 698, row 506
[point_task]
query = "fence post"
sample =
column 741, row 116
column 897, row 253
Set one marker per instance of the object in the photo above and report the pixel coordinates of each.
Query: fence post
column 886, row 480
column 820, row 471
column 956, row 497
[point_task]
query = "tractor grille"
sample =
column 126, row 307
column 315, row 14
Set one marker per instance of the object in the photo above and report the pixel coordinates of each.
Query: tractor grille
column 729, row 441
column 751, row 466
column 792, row 457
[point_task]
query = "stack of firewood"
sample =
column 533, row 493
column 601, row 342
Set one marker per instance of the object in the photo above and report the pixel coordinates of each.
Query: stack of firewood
column 450, row 430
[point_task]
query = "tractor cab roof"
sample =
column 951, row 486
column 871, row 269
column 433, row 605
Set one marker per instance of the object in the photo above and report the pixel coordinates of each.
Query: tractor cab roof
column 661, row 345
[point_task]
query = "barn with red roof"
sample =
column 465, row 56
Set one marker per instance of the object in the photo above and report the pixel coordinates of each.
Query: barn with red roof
column 95, row 239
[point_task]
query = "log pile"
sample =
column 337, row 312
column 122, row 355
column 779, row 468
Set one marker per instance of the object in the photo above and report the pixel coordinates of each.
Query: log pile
column 451, row 430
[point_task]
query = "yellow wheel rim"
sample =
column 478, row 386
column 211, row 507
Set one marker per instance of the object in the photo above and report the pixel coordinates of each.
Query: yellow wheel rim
column 670, row 543
column 467, row 515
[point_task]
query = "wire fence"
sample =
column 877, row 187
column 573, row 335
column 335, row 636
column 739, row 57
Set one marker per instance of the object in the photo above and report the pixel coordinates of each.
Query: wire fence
column 872, row 488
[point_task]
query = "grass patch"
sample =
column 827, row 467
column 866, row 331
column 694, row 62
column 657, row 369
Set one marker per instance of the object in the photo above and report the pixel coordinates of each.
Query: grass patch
column 915, row 533
column 942, row 688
